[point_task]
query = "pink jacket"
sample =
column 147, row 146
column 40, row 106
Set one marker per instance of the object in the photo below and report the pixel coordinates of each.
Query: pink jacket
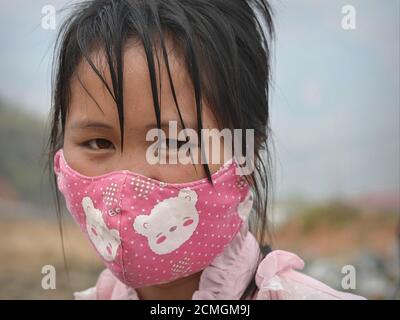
column 229, row 274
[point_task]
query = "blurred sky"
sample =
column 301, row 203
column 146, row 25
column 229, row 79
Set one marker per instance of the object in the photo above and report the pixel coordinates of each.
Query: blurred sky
column 335, row 102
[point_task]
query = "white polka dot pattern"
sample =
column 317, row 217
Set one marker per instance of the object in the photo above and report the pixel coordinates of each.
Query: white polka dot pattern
column 149, row 232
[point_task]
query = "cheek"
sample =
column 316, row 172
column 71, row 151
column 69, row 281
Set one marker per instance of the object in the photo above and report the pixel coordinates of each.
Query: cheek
column 79, row 160
column 188, row 222
column 161, row 239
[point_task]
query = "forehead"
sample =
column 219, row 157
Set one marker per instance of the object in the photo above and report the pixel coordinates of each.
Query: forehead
column 90, row 99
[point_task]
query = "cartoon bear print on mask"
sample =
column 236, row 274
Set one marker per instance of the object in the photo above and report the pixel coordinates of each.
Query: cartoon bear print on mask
column 104, row 239
column 170, row 223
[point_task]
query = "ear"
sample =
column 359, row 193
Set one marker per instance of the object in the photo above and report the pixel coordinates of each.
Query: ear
column 188, row 195
column 87, row 205
column 141, row 225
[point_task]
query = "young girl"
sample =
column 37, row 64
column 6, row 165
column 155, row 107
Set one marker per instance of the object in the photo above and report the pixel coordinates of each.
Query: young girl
column 181, row 229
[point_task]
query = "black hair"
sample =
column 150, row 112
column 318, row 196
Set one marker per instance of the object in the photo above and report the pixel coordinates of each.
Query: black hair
column 226, row 49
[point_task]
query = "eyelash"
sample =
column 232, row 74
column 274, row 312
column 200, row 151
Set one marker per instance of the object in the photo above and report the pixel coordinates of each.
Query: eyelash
column 177, row 142
column 87, row 144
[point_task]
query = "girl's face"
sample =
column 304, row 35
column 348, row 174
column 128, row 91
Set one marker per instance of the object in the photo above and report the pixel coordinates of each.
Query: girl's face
column 92, row 133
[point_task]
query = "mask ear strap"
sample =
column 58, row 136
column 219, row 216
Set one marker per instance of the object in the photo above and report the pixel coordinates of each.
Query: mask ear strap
column 56, row 164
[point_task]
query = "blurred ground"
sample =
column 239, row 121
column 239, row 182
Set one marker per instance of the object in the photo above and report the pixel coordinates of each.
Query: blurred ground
column 332, row 236
column 27, row 244
column 326, row 237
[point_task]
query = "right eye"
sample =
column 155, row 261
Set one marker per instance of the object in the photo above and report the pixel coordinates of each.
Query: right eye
column 99, row 144
column 166, row 145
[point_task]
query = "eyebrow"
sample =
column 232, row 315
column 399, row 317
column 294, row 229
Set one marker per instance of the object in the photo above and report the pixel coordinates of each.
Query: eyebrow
column 165, row 124
column 90, row 125
column 82, row 125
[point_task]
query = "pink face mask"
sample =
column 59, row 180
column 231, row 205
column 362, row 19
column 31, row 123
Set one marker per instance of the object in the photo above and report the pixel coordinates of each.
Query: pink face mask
column 149, row 232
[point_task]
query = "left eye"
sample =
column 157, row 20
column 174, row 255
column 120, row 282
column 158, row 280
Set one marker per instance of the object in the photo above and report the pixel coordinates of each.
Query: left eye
column 98, row 144
column 177, row 143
